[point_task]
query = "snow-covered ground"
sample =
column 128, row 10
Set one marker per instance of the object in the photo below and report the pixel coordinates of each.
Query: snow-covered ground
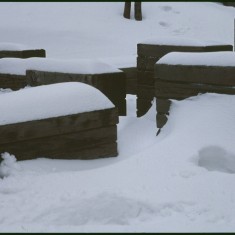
column 182, row 180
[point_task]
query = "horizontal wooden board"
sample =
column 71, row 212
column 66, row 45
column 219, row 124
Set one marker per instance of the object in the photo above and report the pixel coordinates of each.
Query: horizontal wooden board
column 58, row 125
column 14, row 82
column 212, row 75
column 146, row 92
column 145, row 78
column 161, row 50
column 179, row 91
column 23, row 54
column 87, row 144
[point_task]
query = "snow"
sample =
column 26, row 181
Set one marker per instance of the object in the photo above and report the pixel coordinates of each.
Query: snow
column 214, row 158
column 206, row 59
column 176, row 41
column 179, row 181
column 82, row 66
column 49, row 101
column 7, row 46
column 8, row 166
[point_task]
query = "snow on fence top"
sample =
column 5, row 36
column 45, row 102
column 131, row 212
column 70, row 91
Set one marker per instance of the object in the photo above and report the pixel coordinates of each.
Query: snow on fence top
column 178, row 41
column 19, row 66
column 225, row 59
column 8, row 46
column 49, row 101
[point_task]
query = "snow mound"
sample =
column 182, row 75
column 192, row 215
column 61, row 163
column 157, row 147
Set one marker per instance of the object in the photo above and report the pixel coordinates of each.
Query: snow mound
column 103, row 209
column 2, row 90
column 8, row 166
column 8, row 46
column 51, row 101
column 206, row 59
column 80, row 66
column 215, row 158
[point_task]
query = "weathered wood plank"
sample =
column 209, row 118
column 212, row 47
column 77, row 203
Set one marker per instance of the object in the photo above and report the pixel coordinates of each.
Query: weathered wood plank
column 146, row 63
column 23, row 54
column 145, row 78
column 89, row 144
column 161, row 50
column 131, row 79
column 14, row 82
column 211, row 75
column 143, row 105
column 145, row 92
column 180, row 90
column 58, row 125
column 163, row 106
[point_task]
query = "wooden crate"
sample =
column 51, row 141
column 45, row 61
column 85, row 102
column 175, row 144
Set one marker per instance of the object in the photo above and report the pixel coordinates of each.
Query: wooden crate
column 111, row 84
column 149, row 54
column 89, row 135
column 183, row 81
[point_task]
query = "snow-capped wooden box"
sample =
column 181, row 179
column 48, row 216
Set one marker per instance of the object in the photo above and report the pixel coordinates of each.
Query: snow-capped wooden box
column 17, row 73
column 110, row 84
column 62, row 121
column 150, row 51
column 180, row 75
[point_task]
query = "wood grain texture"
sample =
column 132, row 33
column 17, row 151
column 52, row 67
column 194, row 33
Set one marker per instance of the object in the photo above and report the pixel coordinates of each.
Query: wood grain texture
column 161, row 50
column 57, row 126
column 23, row 54
column 180, row 90
column 90, row 144
column 11, row 81
column 211, row 75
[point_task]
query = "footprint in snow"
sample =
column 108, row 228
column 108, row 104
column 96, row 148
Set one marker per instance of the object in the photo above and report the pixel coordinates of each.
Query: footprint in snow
column 215, row 158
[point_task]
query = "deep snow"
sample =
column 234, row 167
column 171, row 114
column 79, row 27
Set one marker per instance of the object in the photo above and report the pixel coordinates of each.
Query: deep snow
column 182, row 180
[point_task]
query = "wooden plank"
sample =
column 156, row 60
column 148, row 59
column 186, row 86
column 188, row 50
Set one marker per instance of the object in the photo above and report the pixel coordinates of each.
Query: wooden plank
column 211, row 75
column 89, row 144
column 57, row 126
column 23, row 54
column 131, row 79
column 145, row 78
column 146, row 63
column 131, row 86
column 14, row 82
column 146, row 92
column 161, row 50
column 161, row 119
column 179, row 91
column 33, row 53
column 163, row 106
column 143, row 105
